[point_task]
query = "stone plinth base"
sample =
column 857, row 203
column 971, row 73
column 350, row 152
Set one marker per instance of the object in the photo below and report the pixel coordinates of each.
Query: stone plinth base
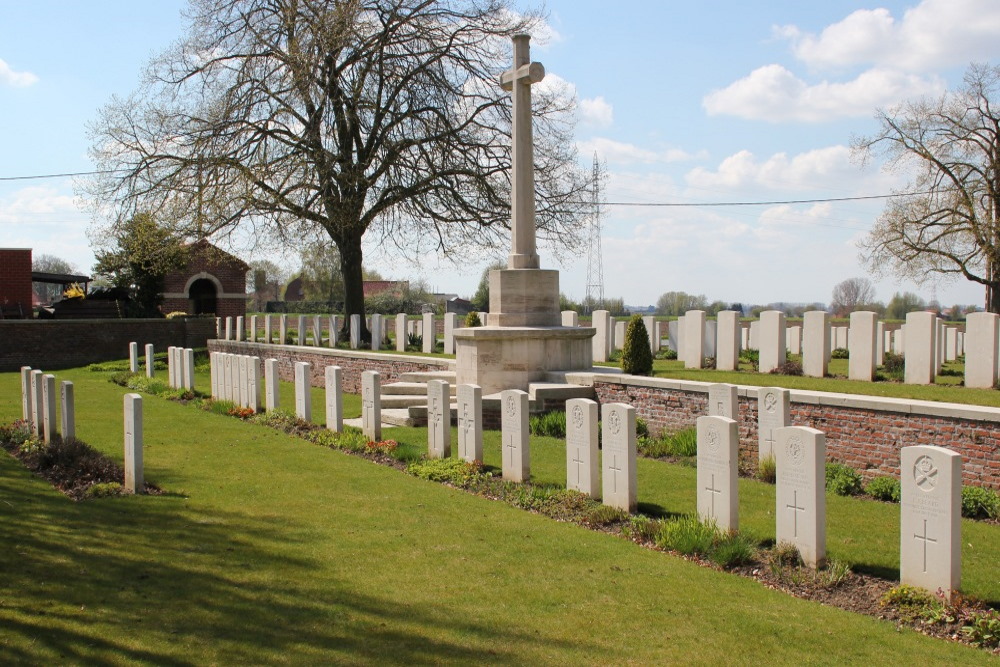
column 524, row 298
column 498, row 358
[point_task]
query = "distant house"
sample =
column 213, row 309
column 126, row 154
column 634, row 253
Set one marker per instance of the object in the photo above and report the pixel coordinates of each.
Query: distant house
column 295, row 290
column 376, row 287
column 211, row 282
column 458, row 306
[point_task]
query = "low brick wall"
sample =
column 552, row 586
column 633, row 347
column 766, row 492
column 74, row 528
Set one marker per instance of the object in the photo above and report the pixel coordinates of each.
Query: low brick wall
column 352, row 363
column 864, row 432
column 55, row 344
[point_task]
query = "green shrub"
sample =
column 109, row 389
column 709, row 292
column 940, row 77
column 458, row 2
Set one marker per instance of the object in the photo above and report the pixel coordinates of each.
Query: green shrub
column 894, row 366
column 883, row 488
column 105, row 490
column 642, row 529
column 472, row 320
column 684, row 443
column 786, row 554
column 414, row 342
column 641, row 428
column 835, row 573
column 454, row 471
column 767, row 469
column 751, row 356
column 687, row 535
column 787, row 368
column 637, row 357
column 978, row 503
column 733, row 549
column 982, row 627
column 842, row 480
column 840, row 353
column 652, row 447
column 603, row 515
column 666, row 353
column 218, row 406
column 912, row 603
column 552, row 424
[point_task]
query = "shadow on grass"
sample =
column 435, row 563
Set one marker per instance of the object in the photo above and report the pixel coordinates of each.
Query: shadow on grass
column 153, row 580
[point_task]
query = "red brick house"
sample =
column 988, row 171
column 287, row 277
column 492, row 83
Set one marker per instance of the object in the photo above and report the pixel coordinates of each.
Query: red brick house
column 213, row 281
column 15, row 283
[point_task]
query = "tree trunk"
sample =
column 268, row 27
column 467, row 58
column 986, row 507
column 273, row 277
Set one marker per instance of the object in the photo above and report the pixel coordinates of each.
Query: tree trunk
column 349, row 245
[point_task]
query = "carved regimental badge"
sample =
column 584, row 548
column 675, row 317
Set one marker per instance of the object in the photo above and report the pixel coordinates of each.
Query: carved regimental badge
column 577, row 417
column 615, row 422
column 925, row 473
column 794, row 450
column 770, row 402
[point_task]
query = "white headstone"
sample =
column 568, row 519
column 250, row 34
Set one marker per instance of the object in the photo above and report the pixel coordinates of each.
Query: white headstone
column 253, row 384
column 921, row 348
column 229, row 328
column 601, row 321
column 303, row 390
column 930, row 518
column 282, row 329
column 268, row 338
column 618, row 458
column 272, row 394
column 371, row 405
column 619, row 338
column 753, row 335
column 772, row 340
column 242, row 388
column 711, row 332
column 570, row 318
column 773, row 412
column 355, row 331
column 240, row 327
column 438, row 419
column 899, row 340
column 673, row 332
column 227, row 377
column 334, row 399
column 236, row 390
column 727, row 355
column 37, row 409
column 723, row 401
column 650, row 322
column 401, row 332
column 317, row 331
column 951, row 344
column 514, row 435
column 149, row 360
column 334, row 330
column 450, row 324
column 134, row 482
column 982, row 342
column 582, row 447
column 68, row 410
column 189, row 368
column 794, row 340
column 717, row 476
column 800, row 491
column 693, row 339
column 301, row 330
column 879, row 343
column 429, row 333
column 815, row 343
column 48, row 407
column 861, row 342
column 253, row 329
column 171, row 368
column 133, row 357
column 470, row 422
column 26, row 395
column 376, row 331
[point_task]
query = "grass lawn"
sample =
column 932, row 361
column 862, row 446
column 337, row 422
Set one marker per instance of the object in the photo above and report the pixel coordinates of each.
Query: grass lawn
column 268, row 549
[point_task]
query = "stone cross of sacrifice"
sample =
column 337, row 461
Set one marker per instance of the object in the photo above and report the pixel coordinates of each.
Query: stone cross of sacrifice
column 522, row 205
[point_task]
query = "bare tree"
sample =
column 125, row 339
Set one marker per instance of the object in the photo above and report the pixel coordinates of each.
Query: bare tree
column 950, row 226
column 287, row 117
column 851, row 295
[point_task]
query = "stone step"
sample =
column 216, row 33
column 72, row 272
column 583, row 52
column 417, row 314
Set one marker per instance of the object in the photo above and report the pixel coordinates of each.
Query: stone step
column 393, row 401
column 550, row 391
column 419, row 414
column 398, row 417
column 410, row 389
column 425, row 376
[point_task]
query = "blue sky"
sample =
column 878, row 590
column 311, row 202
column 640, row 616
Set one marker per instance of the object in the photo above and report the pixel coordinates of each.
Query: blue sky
column 686, row 102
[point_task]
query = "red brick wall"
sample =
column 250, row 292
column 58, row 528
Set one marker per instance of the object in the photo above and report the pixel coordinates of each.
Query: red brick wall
column 227, row 269
column 55, row 344
column 868, row 440
column 15, row 278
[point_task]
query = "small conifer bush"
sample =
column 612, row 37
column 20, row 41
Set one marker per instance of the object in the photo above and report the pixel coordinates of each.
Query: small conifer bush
column 637, row 357
column 472, row 320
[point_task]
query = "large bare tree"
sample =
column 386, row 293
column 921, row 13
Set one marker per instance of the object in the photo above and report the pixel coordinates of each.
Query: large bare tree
column 281, row 118
column 951, row 147
column 850, row 295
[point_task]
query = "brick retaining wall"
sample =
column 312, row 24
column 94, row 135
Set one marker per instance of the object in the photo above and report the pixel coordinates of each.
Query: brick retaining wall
column 55, row 344
column 864, row 432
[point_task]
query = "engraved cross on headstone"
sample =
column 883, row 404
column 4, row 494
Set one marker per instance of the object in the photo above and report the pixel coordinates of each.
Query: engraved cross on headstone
column 578, row 460
column 714, row 492
column 518, row 81
column 616, row 469
column 925, row 539
column 795, row 512
column 511, row 446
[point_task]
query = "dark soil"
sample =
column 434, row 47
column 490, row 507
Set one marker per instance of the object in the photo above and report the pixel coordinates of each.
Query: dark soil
column 71, row 466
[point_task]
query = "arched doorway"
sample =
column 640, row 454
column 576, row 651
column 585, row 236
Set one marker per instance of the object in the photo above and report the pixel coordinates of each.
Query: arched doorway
column 203, row 297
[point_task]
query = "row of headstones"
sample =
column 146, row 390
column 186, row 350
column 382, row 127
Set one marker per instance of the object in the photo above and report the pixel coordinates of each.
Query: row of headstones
column 38, row 408
column 38, row 404
column 377, row 325
column 930, row 549
column 180, row 364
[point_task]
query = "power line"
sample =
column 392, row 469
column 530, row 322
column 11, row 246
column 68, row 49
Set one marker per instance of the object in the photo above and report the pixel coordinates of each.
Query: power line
column 764, row 203
column 41, row 176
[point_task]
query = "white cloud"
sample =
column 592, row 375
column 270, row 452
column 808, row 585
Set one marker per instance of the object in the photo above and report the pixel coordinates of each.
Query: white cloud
column 774, row 94
column 619, row 152
column 17, row 79
column 822, row 168
column 935, row 33
column 597, row 111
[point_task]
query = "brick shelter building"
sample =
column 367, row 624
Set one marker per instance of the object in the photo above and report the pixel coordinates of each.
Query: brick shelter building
column 213, row 281
column 15, row 283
